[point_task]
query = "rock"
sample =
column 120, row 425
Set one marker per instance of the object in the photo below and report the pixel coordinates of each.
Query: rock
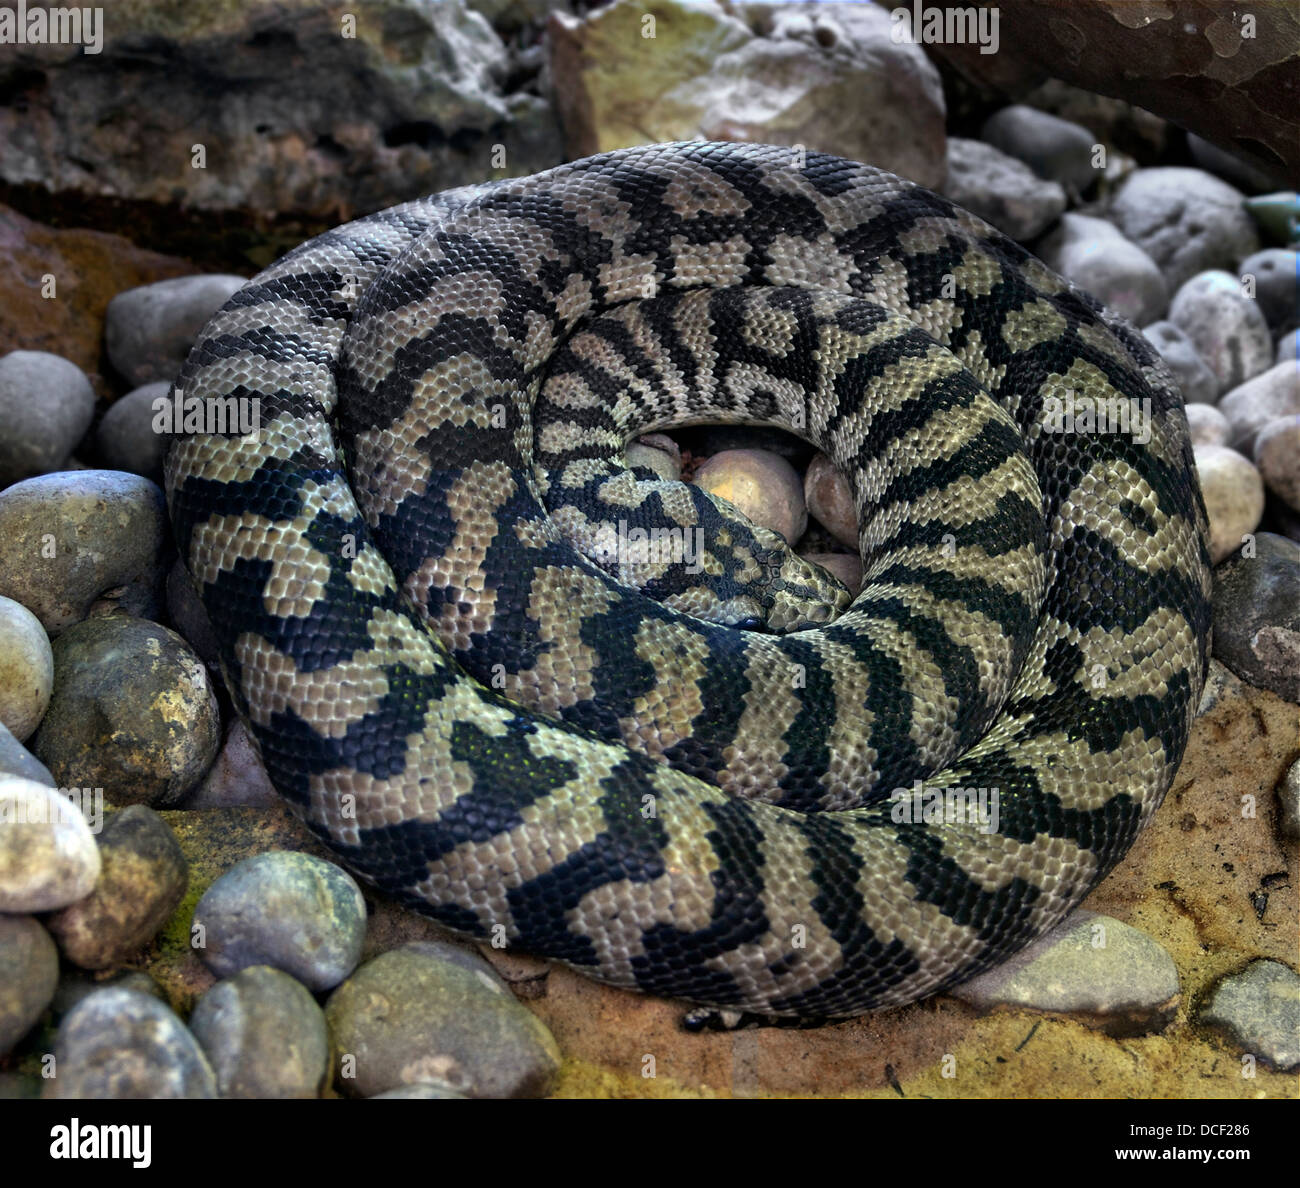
column 264, row 1035
column 664, row 459
column 76, row 984
column 1277, row 215
column 845, row 567
column 148, row 331
column 1000, row 189
column 121, row 1045
column 408, row 100
column 48, row 856
column 46, row 405
column 143, row 879
column 831, row 501
column 1207, row 424
column 1186, row 220
column 1288, row 348
column 1225, row 326
column 295, row 912
column 1096, row 257
column 420, row 1092
column 125, row 439
column 85, row 268
column 1052, row 147
column 26, row 669
column 1101, row 970
column 1234, row 497
column 1288, row 794
column 1259, row 1011
column 237, row 777
column 1226, row 165
column 1277, row 456
column 29, row 972
column 1259, row 401
column 69, row 539
column 407, row 1018
column 829, row 77
column 763, row 486
column 1257, row 615
column 1196, row 381
column 1275, row 271
column 189, row 616
column 133, row 712
column 17, row 760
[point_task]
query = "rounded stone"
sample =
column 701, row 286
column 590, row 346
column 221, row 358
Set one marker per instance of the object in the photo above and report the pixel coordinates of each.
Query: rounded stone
column 69, row 539
column 1275, row 272
column 1288, row 795
column 292, row 911
column 264, row 1035
column 125, row 438
column 1095, row 256
column 1208, row 425
column 29, row 973
column 1225, row 326
column 133, row 712
column 121, row 1045
column 46, row 406
column 1259, row 1010
column 1196, row 381
column 237, row 778
column 149, row 330
column 1001, row 189
column 1052, row 147
column 830, row 500
column 762, row 486
column 143, row 879
column 1288, row 348
column 17, row 760
column 409, row 1018
column 1234, row 497
column 845, row 567
column 1277, row 456
column 1259, row 401
column 26, row 669
column 48, row 856
column 1257, row 615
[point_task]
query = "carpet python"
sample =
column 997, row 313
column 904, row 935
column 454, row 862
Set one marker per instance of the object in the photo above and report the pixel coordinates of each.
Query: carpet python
column 699, row 771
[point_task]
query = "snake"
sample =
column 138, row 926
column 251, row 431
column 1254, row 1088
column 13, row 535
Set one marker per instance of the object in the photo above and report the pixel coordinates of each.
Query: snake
column 562, row 704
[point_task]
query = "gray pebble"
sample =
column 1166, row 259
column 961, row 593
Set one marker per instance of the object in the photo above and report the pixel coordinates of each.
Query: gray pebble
column 1277, row 455
column 1052, row 147
column 133, row 712
column 292, row 911
column 1225, row 326
column 1265, row 398
column 68, row 539
column 1196, row 381
column 189, row 616
column 1113, row 976
column 1257, row 615
column 149, row 330
column 16, row 759
column 1288, row 348
column 1095, row 256
column 1207, row 424
column 421, row 1092
column 1186, row 220
column 1234, row 497
column 76, row 984
column 264, row 1035
column 236, row 778
column 125, row 438
column 1288, row 794
column 46, row 405
column 26, row 669
column 144, row 877
column 1259, row 1010
column 407, row 1018
column 29, row 973
column 48, row 856
column 1275, row 271
column 1001, row 189
column 121, row 1045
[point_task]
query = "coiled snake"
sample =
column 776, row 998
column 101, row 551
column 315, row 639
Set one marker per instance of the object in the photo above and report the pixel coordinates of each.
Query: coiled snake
column 456, row 689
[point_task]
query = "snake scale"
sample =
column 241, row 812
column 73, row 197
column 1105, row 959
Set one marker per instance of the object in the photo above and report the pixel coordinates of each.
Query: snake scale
column 676, row 770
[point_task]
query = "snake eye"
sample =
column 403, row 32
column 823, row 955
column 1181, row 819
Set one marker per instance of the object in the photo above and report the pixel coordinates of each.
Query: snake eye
column 751, row 623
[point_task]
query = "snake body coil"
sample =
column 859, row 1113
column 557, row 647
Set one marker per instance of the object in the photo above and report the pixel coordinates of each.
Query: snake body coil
column 458, row 688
